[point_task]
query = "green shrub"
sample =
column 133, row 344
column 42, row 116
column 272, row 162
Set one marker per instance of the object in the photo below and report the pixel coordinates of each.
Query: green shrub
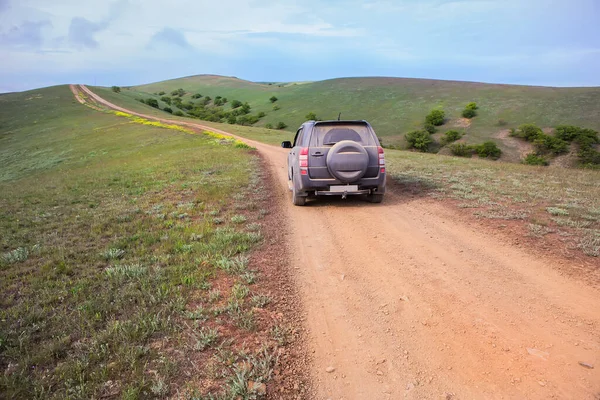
column 269, row 126
column 166, row 99
column 451, row 136
column 116, row 89
column 488, row 149
column 276, row 107
column 273, row 99
column 534, row 159
column 261, row 114
column 461, row 149
column 246, row 108
column 469, row 113
column 419, row 140
column 161, row 93
column 281, row 125
column 168, row 109
column 197, row 96
column 436, row 117
column 235, row 103
column 567, row 132
column 587, row 137
column 178, row 113
column 430, row 128
column 187, row 105
column 152, row 102
column 550, row 144
column 311, row 116
column 589, row 157
column 179, row 92
column 231, row 119
column 471, row 106
column 529, row 132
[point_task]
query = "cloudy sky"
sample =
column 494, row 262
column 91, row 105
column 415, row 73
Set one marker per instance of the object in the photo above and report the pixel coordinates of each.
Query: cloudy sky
column 128, row 42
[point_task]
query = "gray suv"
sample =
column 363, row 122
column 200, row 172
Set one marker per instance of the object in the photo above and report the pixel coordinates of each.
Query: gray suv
column 335, row 158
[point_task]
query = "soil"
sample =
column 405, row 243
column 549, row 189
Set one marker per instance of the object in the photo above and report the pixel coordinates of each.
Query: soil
column 406, row 299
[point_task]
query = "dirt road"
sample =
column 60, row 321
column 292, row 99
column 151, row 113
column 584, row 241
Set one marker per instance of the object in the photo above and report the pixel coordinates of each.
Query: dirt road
column 404, row 300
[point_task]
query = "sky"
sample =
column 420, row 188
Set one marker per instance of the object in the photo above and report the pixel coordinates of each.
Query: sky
column 130, row 42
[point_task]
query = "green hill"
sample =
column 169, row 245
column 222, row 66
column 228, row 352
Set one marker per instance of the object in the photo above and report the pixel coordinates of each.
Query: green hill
column 397, row 105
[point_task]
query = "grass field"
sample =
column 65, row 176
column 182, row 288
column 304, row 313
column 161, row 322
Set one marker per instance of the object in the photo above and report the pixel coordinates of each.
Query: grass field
column 124, row 257
column 548, row 203
column 396, row 106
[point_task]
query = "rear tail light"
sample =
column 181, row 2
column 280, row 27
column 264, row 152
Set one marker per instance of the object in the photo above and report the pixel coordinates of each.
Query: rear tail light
column 303, row 158
column 381, row 159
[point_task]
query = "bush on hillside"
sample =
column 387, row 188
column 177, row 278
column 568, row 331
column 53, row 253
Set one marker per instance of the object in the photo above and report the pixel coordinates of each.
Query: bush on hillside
column 273, row 99
column 261, row 114
column 187, row 105
column 231, row 119
column 567, row 132
column 116, row 89
column 152, row 102
column 281, row 125
column 311, row 116
column 534, row 159
column 488, row 149
column 246, row 108
column 436, row 117
column 178, row 113
column 529, row 132
column 276, row 107
column 461, row 149
column 269, row 126
column 166, row 99
column 178, row 92
column 451, row 136
column 235, row 103
column 168, row 109
column 419, row 140
column 196, row 96
column 471, row 106
column 430, row 128
column 588, row 156
column 469, row 113
column 550, row 144
column 161, row 93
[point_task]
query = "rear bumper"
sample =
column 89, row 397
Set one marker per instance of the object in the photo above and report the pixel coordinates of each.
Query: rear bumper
column 343, row 194
column 321, row 187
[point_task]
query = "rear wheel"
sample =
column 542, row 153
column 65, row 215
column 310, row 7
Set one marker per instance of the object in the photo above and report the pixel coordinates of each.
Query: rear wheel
column 296, row 199
column 375, row 198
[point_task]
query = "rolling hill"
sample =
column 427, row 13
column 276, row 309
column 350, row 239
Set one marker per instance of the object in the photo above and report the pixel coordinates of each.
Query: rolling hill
column 396, row 106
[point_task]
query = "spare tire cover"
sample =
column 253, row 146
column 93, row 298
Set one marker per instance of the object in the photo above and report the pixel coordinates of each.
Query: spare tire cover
column 347, row 161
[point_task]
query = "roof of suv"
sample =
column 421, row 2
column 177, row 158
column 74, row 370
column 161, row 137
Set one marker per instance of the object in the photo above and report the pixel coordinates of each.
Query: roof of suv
column 335, row 121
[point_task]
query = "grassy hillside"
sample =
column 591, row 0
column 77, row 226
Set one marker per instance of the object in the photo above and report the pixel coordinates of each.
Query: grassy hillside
column 395, row 105
column 125, row 247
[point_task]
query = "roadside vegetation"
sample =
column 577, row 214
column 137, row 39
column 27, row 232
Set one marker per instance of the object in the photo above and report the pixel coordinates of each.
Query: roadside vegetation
column 126, row 258
column 548, row 146
column 557, row 204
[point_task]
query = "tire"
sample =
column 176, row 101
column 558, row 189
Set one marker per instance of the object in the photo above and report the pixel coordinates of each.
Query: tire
column 296, row 199
column 347, row 161
column 375, row 198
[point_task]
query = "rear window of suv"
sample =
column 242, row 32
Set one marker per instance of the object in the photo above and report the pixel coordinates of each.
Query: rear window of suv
column 329, row 134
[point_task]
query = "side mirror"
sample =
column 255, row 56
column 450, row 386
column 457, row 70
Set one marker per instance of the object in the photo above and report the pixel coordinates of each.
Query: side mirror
column 286, row 145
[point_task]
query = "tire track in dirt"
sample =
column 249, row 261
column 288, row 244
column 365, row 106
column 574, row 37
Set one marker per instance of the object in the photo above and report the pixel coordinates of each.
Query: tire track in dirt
column 404, row 300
